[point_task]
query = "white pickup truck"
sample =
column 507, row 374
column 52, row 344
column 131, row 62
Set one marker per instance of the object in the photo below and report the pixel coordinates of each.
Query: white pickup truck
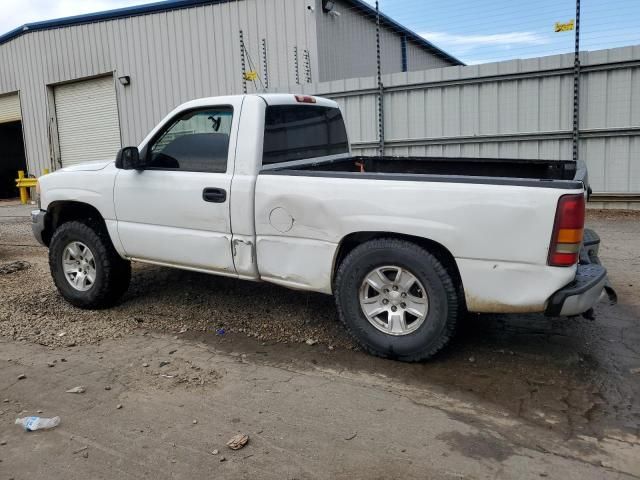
column 264, row 187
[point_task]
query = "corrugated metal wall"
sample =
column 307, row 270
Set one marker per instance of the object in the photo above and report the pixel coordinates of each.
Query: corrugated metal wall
column 152, row 50
column 347, row 47
column 519, row 108
column 417, row 59
column 353, row 31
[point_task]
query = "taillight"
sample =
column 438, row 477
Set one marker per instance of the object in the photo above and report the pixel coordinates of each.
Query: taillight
column 305, row 99
column 568, row 228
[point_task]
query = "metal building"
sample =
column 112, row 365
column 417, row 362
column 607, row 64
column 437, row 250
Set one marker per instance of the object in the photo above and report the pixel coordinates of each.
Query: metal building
column 79, row 88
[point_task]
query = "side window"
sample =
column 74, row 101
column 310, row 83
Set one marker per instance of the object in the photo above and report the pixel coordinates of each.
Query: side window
column 198, row 141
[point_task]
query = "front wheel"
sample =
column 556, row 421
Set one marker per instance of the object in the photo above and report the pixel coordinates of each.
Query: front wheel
column 85, row 266
column 396, row 299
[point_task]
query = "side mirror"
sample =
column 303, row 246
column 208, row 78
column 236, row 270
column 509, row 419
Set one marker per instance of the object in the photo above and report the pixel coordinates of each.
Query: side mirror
column 128, row 158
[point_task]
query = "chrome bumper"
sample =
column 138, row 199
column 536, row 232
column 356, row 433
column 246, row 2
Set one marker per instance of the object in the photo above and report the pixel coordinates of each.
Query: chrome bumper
column 589, row 286
column 38, row 225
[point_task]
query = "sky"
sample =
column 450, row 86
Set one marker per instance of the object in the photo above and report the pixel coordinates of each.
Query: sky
column 481, row 31
column 475, row 31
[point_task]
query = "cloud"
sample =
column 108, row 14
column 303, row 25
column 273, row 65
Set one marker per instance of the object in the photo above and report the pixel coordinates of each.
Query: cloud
column 17, row 13
column 461, row 43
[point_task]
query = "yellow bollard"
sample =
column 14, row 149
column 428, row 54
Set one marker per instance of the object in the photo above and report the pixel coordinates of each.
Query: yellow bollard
column 24, row 183
column 24, row 195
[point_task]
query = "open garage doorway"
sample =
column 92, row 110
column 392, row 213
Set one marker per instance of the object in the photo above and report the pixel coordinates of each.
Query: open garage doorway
column 12, row 155
column 12, row 158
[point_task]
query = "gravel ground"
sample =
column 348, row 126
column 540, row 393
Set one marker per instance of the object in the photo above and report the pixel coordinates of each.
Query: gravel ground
column 159, row 298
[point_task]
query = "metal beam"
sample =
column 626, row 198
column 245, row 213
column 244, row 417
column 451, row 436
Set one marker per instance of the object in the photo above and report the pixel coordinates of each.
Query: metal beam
column 504, row 137
column 552, row 72
column 243, row 63
column 380, row 85
column 576, row 88
column 615, row 197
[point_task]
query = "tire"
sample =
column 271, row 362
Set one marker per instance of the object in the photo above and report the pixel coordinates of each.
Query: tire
column 111, row 273
column 412, row 342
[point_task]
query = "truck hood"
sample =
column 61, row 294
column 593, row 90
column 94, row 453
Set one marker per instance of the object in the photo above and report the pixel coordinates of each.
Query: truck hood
column 87, row 166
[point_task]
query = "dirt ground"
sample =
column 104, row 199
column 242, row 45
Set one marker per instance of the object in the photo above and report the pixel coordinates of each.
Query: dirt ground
column 514, row 396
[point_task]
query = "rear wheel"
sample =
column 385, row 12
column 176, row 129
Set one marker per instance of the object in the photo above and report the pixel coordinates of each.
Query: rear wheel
column 85, row 266
column 396, row 299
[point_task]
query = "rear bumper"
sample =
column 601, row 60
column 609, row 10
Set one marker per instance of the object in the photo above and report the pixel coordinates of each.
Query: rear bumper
column 588, row 287
column 38, row 225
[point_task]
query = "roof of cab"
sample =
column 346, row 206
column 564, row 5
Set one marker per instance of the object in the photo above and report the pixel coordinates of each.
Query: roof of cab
column 268, row 98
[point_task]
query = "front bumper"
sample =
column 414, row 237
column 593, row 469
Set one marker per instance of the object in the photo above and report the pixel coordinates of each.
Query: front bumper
column 588, row 287
column 38, row 225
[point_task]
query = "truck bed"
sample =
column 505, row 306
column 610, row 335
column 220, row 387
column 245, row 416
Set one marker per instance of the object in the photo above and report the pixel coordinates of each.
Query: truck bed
column 543, row 173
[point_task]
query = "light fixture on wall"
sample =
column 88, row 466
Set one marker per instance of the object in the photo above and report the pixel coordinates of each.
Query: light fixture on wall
column 329, row 7
column 125, row 80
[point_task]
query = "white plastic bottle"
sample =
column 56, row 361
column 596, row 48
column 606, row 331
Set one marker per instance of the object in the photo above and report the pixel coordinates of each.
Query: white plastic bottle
column 31, row 424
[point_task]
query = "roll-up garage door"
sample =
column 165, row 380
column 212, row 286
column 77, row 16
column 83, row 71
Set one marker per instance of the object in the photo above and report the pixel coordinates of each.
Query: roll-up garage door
column 9, row 108
column 88, row 127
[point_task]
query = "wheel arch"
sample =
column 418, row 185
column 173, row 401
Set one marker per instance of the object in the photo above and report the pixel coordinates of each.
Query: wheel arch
column 112, row 272
column 62, row 211
column 351, row 241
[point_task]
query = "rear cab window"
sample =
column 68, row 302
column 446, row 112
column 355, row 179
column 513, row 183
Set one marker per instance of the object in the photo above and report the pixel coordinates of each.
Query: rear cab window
column 299, row 132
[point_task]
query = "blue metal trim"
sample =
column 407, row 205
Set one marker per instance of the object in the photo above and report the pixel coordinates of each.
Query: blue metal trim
column 136, row 10
column 403, row 48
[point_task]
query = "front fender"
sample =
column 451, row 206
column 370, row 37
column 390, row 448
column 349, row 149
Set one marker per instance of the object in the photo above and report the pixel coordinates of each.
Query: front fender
column 94, row 188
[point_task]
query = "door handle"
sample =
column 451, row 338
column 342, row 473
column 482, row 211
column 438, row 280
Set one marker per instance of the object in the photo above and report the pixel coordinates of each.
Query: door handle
column 215, row 195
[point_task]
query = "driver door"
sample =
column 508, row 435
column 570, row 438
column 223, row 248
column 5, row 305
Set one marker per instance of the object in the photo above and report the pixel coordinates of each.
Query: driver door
column 176, row 210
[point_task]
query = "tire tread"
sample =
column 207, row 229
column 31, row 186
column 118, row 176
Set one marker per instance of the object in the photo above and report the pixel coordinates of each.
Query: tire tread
column 453, row 303
column 115, row 270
